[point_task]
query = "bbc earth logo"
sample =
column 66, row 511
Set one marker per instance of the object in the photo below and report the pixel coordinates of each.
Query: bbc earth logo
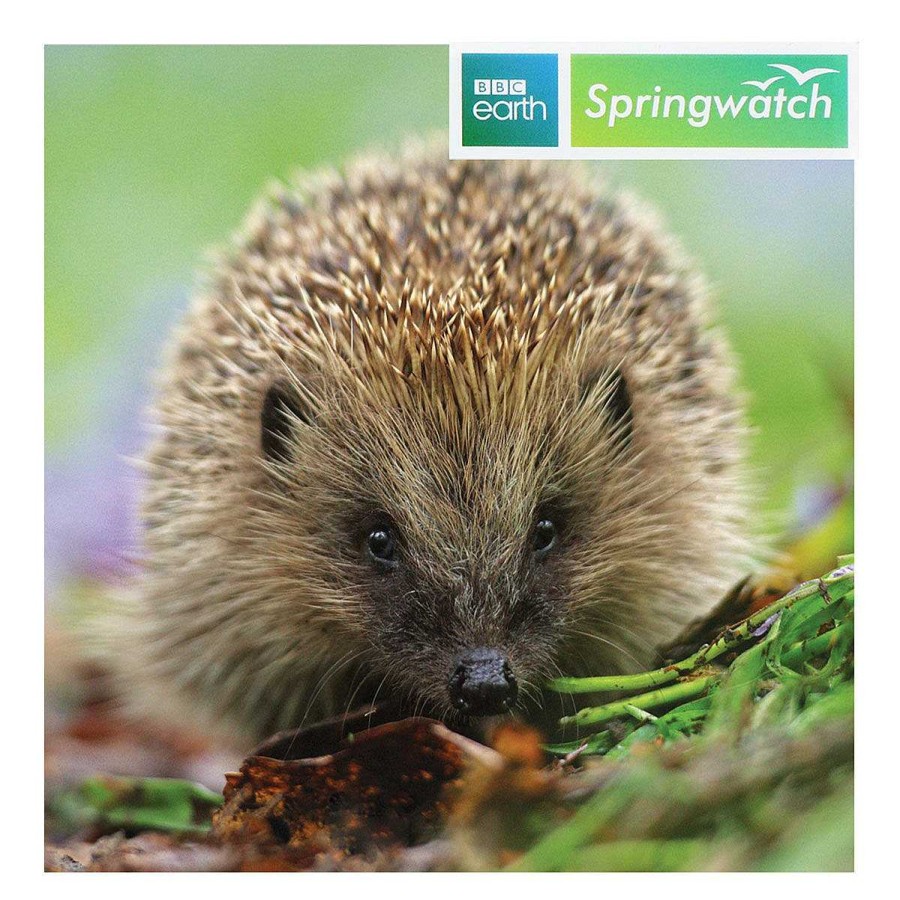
column 510, row 99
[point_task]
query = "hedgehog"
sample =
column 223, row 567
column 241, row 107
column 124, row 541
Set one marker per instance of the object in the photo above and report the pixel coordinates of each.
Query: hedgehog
column 433, row 431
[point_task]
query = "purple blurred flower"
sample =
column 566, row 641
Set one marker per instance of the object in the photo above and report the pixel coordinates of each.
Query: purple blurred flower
column 91, row 486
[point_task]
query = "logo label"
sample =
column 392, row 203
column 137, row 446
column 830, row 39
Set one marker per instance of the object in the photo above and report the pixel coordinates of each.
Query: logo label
column 510, row 100
column 709, row 100
column 694, row 101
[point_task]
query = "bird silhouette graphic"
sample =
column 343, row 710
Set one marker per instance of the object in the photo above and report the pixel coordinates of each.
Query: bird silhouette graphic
column 798, row 76
column 764, row 85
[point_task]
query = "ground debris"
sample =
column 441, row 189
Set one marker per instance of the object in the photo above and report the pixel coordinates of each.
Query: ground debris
column 383, row 788
column 754, row 773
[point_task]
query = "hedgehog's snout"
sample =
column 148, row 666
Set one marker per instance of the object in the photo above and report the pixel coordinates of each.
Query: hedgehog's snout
column 482, row 683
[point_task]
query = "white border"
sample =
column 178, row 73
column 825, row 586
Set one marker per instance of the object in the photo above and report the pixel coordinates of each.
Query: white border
column 877, row 322
column 564, row 148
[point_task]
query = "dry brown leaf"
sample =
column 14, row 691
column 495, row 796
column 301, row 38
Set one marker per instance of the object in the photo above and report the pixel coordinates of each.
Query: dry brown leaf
column 384, row 789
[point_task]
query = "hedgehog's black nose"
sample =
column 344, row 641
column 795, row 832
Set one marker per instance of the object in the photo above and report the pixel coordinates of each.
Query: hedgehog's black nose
column 482, row 683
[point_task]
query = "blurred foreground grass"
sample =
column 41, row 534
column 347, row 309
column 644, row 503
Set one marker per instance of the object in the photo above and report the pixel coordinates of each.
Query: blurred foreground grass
column 749, row 767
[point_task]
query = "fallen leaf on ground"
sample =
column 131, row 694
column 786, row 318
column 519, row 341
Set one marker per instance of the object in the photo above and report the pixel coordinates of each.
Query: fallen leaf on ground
column 384, row 788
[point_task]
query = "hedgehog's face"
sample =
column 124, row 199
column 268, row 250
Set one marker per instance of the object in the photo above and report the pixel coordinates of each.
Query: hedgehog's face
column 448, row 547
column 466, row 609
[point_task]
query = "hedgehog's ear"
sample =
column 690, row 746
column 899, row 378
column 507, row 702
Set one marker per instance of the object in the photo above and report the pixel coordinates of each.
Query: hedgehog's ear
column 607, row 388
column 282, row 410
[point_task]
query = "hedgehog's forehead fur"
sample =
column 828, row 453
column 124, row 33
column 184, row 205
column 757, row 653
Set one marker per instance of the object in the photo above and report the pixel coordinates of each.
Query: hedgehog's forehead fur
column 457, row 418
column 453, row 334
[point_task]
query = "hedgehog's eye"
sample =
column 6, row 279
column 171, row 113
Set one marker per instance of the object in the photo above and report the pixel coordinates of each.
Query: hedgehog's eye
column 381, row 546
column 544, row 538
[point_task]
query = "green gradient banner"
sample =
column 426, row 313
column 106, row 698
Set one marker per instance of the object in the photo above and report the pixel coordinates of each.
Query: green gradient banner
column 709, row 100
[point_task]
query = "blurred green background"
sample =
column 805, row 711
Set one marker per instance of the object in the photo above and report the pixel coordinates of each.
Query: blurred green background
column 153, row 154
